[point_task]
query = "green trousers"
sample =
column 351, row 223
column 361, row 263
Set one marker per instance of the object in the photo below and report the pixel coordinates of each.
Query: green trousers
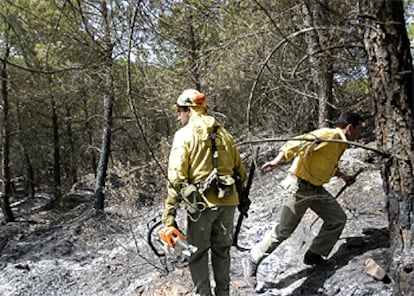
column 300, row 195
column 214, row 232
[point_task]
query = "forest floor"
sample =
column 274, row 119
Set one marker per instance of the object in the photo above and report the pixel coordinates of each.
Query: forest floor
column 74, row 251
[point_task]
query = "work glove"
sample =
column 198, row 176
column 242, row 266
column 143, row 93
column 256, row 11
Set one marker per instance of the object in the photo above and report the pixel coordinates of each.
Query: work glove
column 169, row 235
column 168, row 219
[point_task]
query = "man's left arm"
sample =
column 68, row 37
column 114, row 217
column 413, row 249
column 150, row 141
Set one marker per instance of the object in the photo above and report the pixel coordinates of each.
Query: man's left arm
column 177, row 173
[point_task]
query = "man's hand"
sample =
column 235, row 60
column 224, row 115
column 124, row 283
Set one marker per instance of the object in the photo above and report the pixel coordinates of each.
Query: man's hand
column 267, row 167
column 270, row 165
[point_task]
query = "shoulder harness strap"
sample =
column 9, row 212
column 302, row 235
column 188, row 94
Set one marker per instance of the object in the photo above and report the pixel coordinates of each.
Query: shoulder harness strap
column 214, row 148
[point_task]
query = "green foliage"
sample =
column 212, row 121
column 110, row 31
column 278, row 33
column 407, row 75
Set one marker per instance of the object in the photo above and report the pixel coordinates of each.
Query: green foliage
column 249, row 57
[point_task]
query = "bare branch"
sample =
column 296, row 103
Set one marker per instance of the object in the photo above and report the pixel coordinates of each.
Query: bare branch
column 316, row 140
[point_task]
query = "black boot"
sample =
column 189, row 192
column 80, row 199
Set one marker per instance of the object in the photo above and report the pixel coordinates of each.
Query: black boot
column 316, row 259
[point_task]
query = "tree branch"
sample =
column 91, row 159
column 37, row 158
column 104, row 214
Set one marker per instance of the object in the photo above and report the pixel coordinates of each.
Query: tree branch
column 316, row 140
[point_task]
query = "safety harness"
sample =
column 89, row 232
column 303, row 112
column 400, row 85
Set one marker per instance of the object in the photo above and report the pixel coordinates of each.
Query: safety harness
column 203, row 186
column 221, row 185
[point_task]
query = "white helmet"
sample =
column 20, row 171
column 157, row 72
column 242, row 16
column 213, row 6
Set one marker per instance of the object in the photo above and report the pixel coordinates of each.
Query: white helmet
column 191, row 98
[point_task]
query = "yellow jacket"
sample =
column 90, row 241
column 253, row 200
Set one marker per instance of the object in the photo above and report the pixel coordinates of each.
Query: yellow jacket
column 191, row 161
column 315, row 162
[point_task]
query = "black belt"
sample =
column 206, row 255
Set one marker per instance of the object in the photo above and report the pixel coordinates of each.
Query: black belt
column 303, row 181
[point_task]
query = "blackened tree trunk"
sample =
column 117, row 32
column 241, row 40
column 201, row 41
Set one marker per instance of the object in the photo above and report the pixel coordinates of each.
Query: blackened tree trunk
column 30, row 178
column 30, row 185
column 56, row 151
column 6, row 190
column 315, row 16
column 107, row 121
column 193, row 48
column 391, row 85
column 70, row 162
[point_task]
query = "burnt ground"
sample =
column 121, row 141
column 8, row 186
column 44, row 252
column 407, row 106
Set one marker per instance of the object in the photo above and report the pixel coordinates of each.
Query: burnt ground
column 73, row 251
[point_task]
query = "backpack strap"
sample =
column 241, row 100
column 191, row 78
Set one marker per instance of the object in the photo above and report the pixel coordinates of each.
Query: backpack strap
column 213, row 176
column 214, row 148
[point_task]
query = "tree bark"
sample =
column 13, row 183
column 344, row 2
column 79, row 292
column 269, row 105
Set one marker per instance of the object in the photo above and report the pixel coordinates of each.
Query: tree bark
column 70, row 162
column 193, row 48
column 391, row 84
column 56, row 150
column 5, row 203
column 30, row 178
column 107, row 124
column 30, row 183
column 315, row 15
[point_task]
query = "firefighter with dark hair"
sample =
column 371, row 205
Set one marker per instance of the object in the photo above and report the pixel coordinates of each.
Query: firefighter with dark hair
column 315, row 162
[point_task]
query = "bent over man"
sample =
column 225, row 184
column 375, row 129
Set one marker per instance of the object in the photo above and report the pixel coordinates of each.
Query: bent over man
column 202, row 163
column 315, row 161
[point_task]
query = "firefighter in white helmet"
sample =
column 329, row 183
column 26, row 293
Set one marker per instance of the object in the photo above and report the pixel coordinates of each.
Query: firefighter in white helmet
column 208, row 182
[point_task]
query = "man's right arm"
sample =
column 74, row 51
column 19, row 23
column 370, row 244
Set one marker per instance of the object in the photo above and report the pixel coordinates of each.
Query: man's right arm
column 270, row 165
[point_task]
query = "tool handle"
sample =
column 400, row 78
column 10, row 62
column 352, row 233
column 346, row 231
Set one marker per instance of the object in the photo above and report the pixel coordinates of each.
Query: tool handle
column 244, row 198
column 346, row 185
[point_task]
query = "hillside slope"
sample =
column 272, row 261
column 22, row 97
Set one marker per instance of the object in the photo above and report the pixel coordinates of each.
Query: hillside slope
column 75, row 252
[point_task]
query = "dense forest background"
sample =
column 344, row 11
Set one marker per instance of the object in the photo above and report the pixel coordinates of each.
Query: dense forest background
column 88, row 85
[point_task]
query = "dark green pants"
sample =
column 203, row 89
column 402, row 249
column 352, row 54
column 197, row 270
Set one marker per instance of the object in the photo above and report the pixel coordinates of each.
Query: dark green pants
column 213, row 231
column 300, row 195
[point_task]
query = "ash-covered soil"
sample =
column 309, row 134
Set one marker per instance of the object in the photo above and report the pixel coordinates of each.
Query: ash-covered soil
column 72, row 250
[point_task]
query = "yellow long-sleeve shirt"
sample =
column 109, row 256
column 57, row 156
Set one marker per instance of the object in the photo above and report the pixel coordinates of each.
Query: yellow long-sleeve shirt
column 191, row 161
column 312, row 161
